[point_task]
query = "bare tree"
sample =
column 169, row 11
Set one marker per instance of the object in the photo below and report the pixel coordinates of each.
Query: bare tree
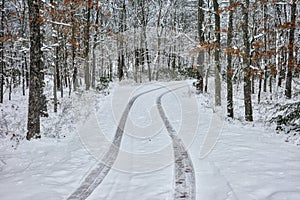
column 246, row 63
column 217, row 54
column 36, row 68
column 2, row 52
column 229, row 64
column 200, row 59
column 291, row 59
column 87, row 45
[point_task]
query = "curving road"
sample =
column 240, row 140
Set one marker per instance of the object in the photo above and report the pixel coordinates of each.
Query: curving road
column 184, row 171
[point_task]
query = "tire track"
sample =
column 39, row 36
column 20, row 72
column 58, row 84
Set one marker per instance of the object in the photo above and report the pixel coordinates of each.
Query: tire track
column 185, row 183
column 97, row 175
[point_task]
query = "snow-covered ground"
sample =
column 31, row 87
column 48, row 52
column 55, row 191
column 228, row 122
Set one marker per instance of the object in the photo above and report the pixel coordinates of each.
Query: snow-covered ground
column 245, row 161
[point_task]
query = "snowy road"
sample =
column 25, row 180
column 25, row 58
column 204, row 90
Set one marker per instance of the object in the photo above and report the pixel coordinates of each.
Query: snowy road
column 248, row 162
column 184, row 172
column 96, row 176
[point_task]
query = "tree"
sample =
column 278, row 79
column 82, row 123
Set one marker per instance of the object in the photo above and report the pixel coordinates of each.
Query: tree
column 229, row 64
column 36, row 77
column 121, row 57
column 291, row 59
column 200, row 60
column 246, row 63
column 217, row 54
column 73, row 42
column 159, row 30
column 94, row 47
column 2, row 52
column 87, row 45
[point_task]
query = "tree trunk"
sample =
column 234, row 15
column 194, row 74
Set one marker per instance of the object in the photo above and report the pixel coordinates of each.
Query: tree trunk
column 259, row 89
column 94, row 49
column 121, row 57
column 55, row 89
column 110, row 70
column 87, row 46
column 265, row 9
column 2, row 53
column 23, row 77
column 246, row 63
column 200, row 60
column 217, row 55
column 135, row 57
column 35, row 84
column 73, row 39
column 159, row 30
column 291, row 59
column 229, row 66
column 56, row 61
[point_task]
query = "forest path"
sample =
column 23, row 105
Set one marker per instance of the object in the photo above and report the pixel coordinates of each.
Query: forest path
column 97, row 175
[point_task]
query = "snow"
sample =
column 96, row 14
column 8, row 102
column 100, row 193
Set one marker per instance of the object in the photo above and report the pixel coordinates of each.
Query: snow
column 232, row 160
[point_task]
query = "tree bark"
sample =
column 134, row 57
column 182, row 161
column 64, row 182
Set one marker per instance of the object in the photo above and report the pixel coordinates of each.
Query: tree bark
column 246, row 63
column 217, row 54
column 56, row 61
column 291, row 59
column 87, row 45
column 229, row 66
column 2, row 53
column 121, row 61
column 35, row 84
column 200, row 60
column 159, row 30
column 74, row 67
column 94, row 49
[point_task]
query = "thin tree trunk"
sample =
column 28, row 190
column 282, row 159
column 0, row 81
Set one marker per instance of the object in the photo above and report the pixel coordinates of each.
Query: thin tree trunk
column 87, row 45
column 217, row 55
column 2, row 53
column 121, row 57
column 35, row 85
column 265, row 44
column 74, row 67
column 147, row 55
column 55, row 89
column 56, row 62
column 246, row 63
column 23, row 78
column 159, row 30
column 26, row 72
column 135, row 57
column 200, row 60
column 94, row 49
column 110, row 70
column 144, row 35
column 259, row 89
column 229, row 66
column 291, row 59
column 61, row 82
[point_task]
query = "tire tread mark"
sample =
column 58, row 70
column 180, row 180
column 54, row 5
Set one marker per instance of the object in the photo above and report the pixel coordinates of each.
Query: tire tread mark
column 97, row 175
column 185, row 184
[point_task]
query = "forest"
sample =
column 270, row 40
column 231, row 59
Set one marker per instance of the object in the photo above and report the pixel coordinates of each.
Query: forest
column 149, row 99
column 84, row 45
